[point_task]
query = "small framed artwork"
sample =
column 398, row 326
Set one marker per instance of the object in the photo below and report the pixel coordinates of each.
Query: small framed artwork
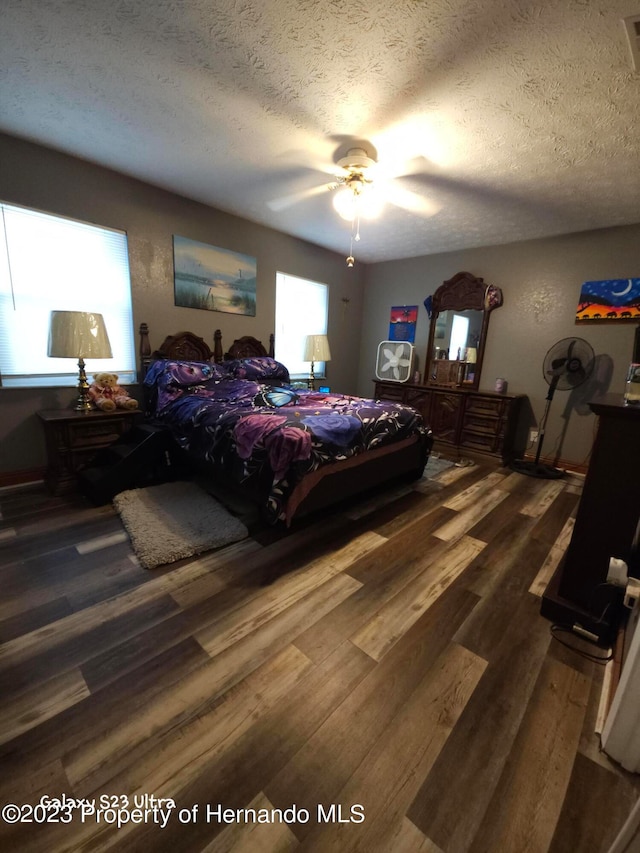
column 402, row 325
column 213, row 279
column 615, row 299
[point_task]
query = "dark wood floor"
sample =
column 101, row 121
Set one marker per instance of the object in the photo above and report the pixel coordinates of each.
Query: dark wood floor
column 389, row 659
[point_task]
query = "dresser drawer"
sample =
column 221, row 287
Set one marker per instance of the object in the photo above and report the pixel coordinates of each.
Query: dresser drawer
column 390, row 392
column 420, row 400
column 446, row 415
column 488, row 442
column 472, row 420
column 96, row 434
column 485, row 406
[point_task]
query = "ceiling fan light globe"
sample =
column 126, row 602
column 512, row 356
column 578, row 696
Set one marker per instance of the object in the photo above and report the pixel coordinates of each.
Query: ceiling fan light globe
column 344, row 203
column 371, row 203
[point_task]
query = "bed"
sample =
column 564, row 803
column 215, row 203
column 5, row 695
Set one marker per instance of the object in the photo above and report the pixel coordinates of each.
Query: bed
column 294, row 450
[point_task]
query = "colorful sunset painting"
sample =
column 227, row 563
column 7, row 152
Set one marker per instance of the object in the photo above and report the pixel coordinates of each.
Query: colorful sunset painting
column 613, row 299
column 402, row 323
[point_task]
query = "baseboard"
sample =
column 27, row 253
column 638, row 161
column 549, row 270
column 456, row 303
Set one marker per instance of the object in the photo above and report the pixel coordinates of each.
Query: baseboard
column 21, row 478
column 610, row 681
column 564, row 464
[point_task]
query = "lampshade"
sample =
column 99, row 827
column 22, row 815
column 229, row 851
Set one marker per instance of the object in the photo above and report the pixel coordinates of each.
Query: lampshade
column 316, row 348
column 76, row 334
column 472, row 354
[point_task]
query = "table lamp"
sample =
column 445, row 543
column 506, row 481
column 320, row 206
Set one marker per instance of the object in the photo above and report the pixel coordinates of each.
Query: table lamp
column 316, row 349
column 472, row 357
column 77, row 334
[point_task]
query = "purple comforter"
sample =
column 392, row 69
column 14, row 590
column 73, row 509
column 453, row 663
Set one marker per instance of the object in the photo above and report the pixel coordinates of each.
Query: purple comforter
column 244, row 418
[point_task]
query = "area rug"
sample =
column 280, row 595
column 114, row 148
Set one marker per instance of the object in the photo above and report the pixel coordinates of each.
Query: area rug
column 436, row 465
column 175, row 520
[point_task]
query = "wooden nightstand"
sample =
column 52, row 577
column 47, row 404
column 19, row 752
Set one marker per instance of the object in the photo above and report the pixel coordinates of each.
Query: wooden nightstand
column 73, row 438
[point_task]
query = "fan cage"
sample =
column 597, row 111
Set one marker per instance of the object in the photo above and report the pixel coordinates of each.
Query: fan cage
column 568, row 363
column 394, row 361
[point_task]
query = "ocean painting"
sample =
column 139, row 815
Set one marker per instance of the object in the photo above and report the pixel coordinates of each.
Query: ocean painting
column 213, row 279
column 611, row 299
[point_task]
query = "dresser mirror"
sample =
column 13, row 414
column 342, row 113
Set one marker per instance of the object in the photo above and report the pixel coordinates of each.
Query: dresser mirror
column 458, row 331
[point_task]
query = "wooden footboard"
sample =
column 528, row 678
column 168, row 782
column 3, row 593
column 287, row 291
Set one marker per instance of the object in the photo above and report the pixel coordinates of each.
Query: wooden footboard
column 394, row 462
column 336, row 482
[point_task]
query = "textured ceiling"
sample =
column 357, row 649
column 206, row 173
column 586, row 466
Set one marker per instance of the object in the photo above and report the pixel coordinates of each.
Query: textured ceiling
column 521, row 118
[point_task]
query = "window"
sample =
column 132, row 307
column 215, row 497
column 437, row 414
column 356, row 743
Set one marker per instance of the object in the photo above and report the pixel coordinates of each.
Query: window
column 48, row 263
column 459, row 335
column 302, row 308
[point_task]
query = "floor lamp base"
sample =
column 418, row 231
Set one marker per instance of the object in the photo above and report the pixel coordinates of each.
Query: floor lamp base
column 536, row 469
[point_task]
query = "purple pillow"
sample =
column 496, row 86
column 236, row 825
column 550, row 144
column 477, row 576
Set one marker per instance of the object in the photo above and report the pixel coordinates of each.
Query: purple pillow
column 257, row 369
column 172, row 379
column 184, row 373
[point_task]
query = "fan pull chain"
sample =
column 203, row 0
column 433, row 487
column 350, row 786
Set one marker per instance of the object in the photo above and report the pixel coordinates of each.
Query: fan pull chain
column 355, row 235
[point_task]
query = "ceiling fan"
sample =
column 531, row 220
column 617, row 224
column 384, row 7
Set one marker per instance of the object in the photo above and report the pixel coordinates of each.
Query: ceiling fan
column 361, row 186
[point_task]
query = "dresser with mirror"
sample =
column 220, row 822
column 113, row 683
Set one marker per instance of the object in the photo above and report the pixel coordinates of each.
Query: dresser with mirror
column 464, row 418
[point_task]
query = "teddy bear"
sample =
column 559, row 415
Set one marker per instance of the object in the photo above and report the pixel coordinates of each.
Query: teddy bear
column 106, row 394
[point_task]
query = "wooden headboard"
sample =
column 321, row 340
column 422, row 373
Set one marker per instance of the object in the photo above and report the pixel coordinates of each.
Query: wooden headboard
column 185, row 346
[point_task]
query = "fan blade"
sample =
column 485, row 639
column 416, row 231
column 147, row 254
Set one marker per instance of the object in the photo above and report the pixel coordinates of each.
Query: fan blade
column 570, row 350
column 557, row 363
column 479, row 196
column 555, row 374
column 315, row 156
column 286, row 201
column 390, row 168
column 409, row 200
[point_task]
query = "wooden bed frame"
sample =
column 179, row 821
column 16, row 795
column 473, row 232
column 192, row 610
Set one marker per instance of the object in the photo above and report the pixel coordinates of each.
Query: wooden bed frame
column 402, row 461
column 185, row 346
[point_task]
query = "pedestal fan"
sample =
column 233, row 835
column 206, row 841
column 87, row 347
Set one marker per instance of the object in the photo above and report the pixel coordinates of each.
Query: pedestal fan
column 566, row 365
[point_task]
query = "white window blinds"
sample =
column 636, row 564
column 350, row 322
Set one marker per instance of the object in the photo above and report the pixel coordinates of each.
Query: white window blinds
column 301, row 309
column 49, row 263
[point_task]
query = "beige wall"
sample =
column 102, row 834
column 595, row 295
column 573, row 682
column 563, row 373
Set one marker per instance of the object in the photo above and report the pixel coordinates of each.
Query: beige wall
column 41, row 178
column 541, row 281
